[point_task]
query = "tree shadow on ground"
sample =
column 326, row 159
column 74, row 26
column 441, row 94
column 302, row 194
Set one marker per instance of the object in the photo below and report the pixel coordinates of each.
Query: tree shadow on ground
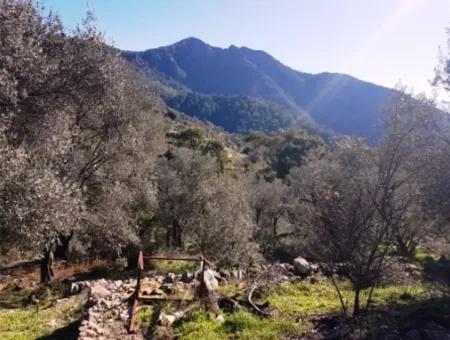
column 409, row 318
column 19, row 265
column 14, row 296
column 105, row 272
column 437, row 271
column 423, row 319
column 68, row 332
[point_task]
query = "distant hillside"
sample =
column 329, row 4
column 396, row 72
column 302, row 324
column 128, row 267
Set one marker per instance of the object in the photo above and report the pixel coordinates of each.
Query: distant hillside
column 335, row 101
column 237, row 113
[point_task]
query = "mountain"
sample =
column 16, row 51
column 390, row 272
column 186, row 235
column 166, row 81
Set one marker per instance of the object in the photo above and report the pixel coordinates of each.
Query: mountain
column 338, row 102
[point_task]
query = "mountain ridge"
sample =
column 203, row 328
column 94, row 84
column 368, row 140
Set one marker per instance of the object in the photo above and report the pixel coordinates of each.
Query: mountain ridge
column 335, row 101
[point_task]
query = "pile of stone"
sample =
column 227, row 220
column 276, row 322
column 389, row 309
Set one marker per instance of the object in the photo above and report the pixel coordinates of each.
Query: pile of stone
column 107, row 310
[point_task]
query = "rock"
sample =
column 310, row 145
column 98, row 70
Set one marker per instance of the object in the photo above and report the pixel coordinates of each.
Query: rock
column 99, row 290
column 167, row 288
column 170, row 278
column 210, row 280
column 342, row 269
column 166, row 319
column 77, row 287
column 224, row 273
column 302, row 266
column 411, row 267
column 158, row 291
column 220, row 318
column 284, row 278
column 315, row 268
column 287, row 267
column 106, row 304
column 147, row 291
column 159, row 278
column 53, row 323
column 187, row 277
column 237, row 274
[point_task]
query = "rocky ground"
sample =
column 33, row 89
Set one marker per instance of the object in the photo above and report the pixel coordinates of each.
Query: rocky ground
column 108, row 309
column 106, row 314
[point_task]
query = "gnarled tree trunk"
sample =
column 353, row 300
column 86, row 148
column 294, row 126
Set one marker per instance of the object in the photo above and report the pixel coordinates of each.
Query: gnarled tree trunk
column 47, row 273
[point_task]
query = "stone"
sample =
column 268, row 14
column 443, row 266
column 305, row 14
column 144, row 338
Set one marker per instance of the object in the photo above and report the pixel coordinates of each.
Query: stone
column 187, row 277
column 315, row 268
column 166, row 319
column 147, row 291
column 224, row 273
column 284, row 278
column 99, row 290
column 170, row 278
column 220, row 318
column 210, row 280
column 412, row 267
column 53, row 323
column 302, row 266
column 237, row 274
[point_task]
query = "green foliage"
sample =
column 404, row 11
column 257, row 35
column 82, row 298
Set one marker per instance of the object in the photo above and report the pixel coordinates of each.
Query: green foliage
column 176, row 267
column 237, row 113
column 281, row 151
column 145, row 314
column 336, row 101
column 191, row 138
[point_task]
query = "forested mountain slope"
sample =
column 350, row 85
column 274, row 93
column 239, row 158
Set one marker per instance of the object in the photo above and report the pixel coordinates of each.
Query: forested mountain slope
column 334, row 101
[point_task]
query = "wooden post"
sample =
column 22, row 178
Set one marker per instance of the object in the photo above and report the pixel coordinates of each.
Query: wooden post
column 139, row 272
column 140, row 269
column 202, row 270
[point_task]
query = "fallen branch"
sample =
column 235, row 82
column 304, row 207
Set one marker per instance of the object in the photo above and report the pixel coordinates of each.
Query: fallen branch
column 227, row 304
column 254, row 306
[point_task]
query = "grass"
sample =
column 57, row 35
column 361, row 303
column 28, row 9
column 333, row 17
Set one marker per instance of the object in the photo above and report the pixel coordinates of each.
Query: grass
column 238, row 325
column 27, row 323
column 422, row 257
column 292, row 305
column 20, row 321
column 176, row 267
column 305, row 299
column 145, row 314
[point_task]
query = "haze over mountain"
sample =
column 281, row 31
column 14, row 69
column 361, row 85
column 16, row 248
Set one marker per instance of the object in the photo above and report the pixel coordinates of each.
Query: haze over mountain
column 192, row 69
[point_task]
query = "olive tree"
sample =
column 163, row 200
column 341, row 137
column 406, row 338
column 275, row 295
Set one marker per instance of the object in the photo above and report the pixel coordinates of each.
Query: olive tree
column 77, row 112
column 202, row 207
column 419, row 135
column 352, row 204
column 36, row 207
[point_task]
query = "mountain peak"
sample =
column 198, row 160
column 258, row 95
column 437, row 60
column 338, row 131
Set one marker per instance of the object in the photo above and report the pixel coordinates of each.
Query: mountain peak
column 335, row 101
column 191, row 41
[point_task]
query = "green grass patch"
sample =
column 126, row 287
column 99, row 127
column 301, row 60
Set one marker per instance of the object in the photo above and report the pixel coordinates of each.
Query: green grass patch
column 306, row 299
column 292, row 305
column 28, row 322
column 13, row 297
column 145, row 314
column 176, row 267
column 238, row 325
column 422, row 256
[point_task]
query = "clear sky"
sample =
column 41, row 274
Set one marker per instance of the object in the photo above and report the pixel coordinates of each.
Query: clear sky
column 381, row 41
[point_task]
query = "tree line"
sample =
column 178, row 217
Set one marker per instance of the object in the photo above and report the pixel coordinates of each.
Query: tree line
column 87, row 160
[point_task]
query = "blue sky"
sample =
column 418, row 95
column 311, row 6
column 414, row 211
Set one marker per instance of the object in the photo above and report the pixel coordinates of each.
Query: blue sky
column 381, row 41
